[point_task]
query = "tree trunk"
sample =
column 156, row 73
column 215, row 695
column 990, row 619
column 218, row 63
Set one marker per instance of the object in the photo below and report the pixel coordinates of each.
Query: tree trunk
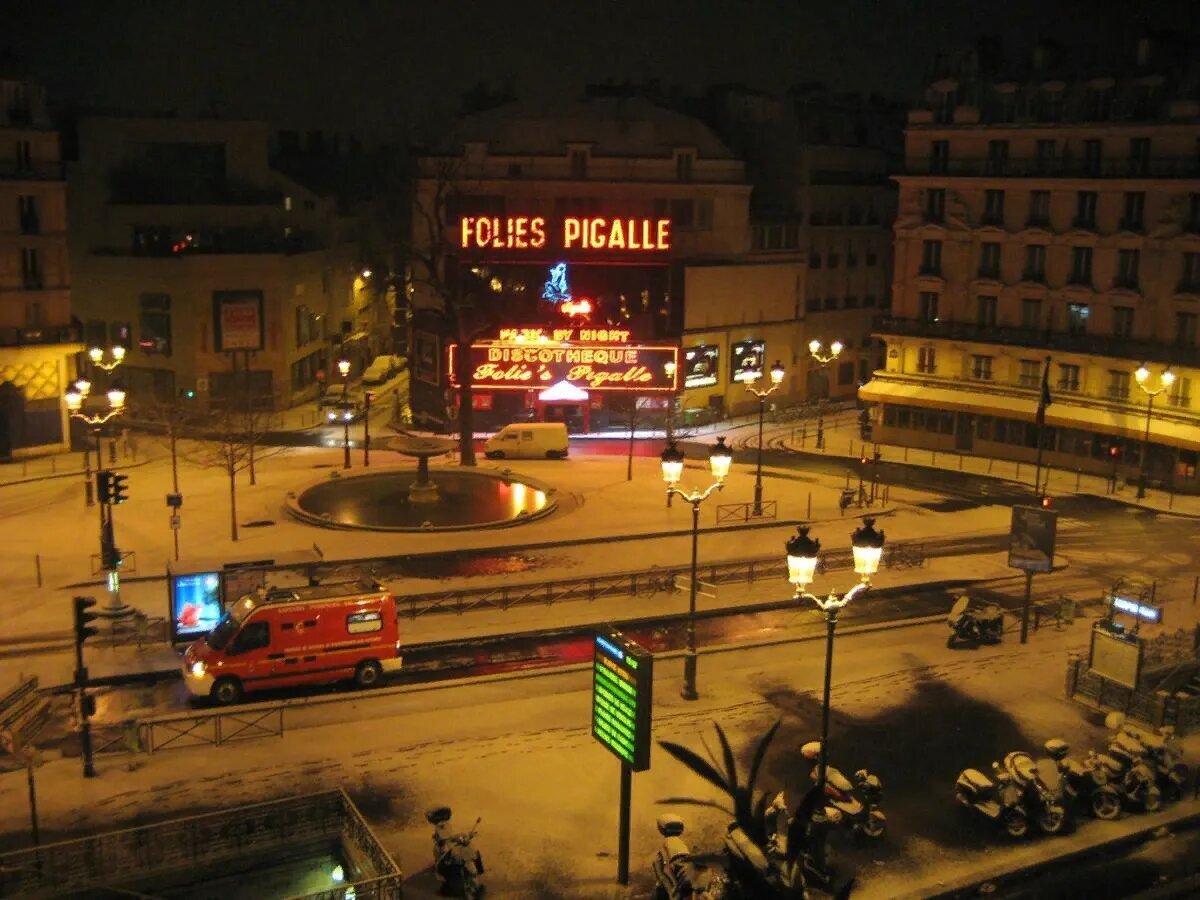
column 253, row 477
column 233, row 502
column 466, row 411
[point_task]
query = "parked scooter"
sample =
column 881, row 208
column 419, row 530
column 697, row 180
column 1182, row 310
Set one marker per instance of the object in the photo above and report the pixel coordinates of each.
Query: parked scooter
column 1085, row 783
column 857, row 804
column 997, row 798
column 1128, row 770
column 1161, row 752
column 456, row 863
column 974, row 625
column 1042, row 786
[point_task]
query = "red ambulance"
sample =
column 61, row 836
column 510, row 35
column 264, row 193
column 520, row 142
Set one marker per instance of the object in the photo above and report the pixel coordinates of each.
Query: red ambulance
column 283, row 637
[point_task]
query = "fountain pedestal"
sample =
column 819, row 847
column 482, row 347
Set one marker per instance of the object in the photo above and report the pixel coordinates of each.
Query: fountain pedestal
column 423, row 490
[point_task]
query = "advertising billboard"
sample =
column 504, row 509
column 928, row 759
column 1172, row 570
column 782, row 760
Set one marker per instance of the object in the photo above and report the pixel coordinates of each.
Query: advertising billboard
column 502, row 365
column 1117, row 657
column 1031, row 538
column 700, row 365
column 622, row 698
column 238, row 321
column 746, row 360
column 195, row 604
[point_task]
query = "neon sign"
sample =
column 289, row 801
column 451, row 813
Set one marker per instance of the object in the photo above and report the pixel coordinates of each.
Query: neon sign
column 564, row 335
column 556, row 290
column 572, row 233
column 1143, row 611
column 500, row 365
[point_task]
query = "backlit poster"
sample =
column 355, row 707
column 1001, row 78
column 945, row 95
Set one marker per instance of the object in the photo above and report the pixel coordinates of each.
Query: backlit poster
column 700, row 365
column 746, row 360
column 195, row 604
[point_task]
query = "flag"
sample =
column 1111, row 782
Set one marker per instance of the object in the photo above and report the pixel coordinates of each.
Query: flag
column 1044, row 399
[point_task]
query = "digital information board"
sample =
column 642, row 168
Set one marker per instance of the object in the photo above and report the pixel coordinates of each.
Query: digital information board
column 622, row 697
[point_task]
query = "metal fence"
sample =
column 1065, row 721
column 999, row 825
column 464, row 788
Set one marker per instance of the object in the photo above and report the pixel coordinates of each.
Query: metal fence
column 1152, row 707
column 744, row 512
column 165, row 852
column 215, row 728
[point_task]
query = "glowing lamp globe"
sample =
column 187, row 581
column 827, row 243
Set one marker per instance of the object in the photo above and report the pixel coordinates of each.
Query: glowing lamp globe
column 719, row 459
column 1167, row 378
column 95, row 354
column 672, row 464
column 116, row 397
column 814, row 346
column 1141, row 374
column 867, row 544
column 83, row 386
column 777, row 373
column 836, row 347
column 343, row 367
column 74, row 398
column 118, row 353
column 802, row 555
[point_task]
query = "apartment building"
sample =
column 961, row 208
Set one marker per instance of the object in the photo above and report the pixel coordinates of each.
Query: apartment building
column 38, row 340
column 1049, row 212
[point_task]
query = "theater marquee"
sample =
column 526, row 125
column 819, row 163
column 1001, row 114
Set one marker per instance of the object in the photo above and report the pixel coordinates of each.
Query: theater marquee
column 594, row 359
column 570, row 233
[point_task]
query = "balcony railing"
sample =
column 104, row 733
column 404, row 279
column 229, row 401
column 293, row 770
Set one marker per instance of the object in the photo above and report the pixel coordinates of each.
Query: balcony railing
column 36, row 170
column 1091, row 344
column 1178, row 167
column 23, row 337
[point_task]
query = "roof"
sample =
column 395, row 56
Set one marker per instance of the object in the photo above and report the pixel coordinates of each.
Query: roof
column 624, row 126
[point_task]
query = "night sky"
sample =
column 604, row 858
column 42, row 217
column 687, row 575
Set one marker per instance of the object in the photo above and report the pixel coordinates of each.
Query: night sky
column 395, row 69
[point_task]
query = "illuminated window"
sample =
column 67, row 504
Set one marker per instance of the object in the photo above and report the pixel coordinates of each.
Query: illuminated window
column 1077, row 317
column 154, row 324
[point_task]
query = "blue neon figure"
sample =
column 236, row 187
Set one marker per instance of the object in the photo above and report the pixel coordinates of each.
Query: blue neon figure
column 555, row 290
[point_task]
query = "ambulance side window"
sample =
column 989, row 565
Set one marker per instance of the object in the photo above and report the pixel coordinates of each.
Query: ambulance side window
column 362, row 622
column 527, row 435
column 254, row 636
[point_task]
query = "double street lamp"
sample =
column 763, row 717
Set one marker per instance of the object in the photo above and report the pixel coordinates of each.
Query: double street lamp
column 719, row 460
column 752, row 374
column 802, row 556
column 1166, row 378
column 815, row 351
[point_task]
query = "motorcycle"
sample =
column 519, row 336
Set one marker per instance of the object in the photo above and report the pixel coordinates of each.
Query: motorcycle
column 456, row 863
column 1161, row 752
column 1041, row 784
column 983, row 624
column 998, row 798
column 1127, row 769
column 1085, row 783
column 857, row 803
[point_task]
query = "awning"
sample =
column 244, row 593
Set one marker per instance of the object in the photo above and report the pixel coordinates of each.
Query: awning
column 563, row 391
column 1174, row 430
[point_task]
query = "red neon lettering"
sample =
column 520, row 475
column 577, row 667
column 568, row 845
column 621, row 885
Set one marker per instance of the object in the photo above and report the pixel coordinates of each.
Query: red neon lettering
column 537, row 229
column 664, row 235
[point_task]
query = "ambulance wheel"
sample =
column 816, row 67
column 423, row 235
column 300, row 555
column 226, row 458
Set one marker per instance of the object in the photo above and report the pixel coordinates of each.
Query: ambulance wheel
column 368, row 674
column 226, row 691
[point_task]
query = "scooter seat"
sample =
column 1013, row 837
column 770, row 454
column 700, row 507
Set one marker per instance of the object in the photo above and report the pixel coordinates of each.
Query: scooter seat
column 1110, row 764
column 976, row 779
column 835, row 779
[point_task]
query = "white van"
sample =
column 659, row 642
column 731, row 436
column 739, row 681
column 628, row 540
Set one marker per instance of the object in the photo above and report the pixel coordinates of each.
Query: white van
column 528, row 440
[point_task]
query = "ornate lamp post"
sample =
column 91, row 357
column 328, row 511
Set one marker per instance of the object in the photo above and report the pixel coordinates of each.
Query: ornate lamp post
column 802, row 557
column 752, row 377
column 344, row 370
column 719, row 460
column 814, row 350
column 96, row 355
column 84, row 385
column 1166, row 378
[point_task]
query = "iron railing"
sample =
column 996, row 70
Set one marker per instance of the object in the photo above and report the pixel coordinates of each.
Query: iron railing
column 213, row 728
column 744, row 512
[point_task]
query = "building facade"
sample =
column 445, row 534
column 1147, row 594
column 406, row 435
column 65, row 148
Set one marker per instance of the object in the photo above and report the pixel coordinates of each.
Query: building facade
column 682, row 275
column 38, row 340
column 1049, row 217
column 217, row 273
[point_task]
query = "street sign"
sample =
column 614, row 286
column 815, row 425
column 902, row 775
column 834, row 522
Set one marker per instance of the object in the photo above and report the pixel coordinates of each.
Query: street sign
column 622, row 697
column 1145, row 612
column 175, row 500
column 1031, row 538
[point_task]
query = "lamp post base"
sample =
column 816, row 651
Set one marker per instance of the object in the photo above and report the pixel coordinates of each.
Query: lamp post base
column 688, row 691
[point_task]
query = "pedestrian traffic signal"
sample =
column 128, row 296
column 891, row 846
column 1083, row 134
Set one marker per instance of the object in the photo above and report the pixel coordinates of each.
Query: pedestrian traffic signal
column 104, row 485
column 83, row 630
column 119, row 489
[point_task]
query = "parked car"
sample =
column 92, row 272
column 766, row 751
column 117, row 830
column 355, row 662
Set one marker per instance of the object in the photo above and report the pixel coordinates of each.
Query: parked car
column 381, row 369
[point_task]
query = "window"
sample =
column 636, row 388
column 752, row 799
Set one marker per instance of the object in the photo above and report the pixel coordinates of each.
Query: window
column 997, row 157
column 1189, row 279
column 872, row 259
column 24, row 156
column 1185, row 329
column 814, row 258
column 935, row 205
column 118, row 335
column 1135, row 210
column 1068, row 377
column 1093, row 157
column 1031, row 313
column 154, row 324
column 1123, row 321
column 579, row 163
column 939, row 157
column 831, row 303
column 869, row 301
column 1193, row 215
column 1077, row 316
column 364, row 622
column 1050, row 106
column 927, row 309
column 846, row 373
column 989, row 260
column 308, row 326
column 864, row 371
column 1127, row 268
column 35, row 315
column 683, row 166
column 1035, row 262
column 1030, row 373
column 1046, row 151
column 1039, row 208
column 1081, row 265
column 27, row 214
column 1085, row 209
column 831, row 260
column 1181, row 393
column 985, row 311
column 851, row 301
column 981, row 368
column 253, row 636
column 993, row 208
column 813, row 304
column 851, row 255
column 926, row 360
column 1118, row 385
column 1139, row 156
column 931, row 258
column 95, row 333
column 31, row 268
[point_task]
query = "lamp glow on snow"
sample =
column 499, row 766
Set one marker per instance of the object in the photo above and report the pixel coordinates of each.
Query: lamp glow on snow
column 719, row 460
column 672, row 464
column 343, row 367
column 803, row 552
column 867, row 544
column 777, row 373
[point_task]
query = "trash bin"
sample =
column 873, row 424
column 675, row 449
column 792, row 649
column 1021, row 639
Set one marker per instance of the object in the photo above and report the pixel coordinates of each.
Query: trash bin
column 1066, row 609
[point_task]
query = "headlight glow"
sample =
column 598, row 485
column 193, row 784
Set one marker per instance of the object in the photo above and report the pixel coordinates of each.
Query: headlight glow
column 198, row 669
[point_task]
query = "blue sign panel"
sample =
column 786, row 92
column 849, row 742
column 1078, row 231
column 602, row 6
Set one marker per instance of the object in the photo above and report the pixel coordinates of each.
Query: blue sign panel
column 195, row 605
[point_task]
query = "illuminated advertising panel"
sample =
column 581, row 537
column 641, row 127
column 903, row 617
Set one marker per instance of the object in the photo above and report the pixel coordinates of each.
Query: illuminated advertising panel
column 238, row 320
column 1031, row 538
column 569, row 233
column 622, row 698
column 195, row 605
column 700, row 365
column 746, row 360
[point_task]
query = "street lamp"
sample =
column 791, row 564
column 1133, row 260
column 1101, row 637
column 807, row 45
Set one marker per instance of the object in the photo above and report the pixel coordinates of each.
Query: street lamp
column 719, row 459
column 802, row 557
column 344, row 370
column 1166, row 378
column 814, row 350
column 96, row 355
column 752, row 375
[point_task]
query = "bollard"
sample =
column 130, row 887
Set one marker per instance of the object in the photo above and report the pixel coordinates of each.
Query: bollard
column 847, row 481
column 960, row 462
column 1078, row 475
column 1195, row 588
column 53, row 460
column 37, row 561
column 990, row 461
column 933, row 457
column 1018, row 476
column 809, row 516
column 906, row 454
column 851, row 446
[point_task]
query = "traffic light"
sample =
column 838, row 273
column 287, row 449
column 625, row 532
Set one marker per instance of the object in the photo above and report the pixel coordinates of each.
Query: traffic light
column 104, row 485
column 119, row 489
column 1046, row 503
column 187, row 394
column 83, row 630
